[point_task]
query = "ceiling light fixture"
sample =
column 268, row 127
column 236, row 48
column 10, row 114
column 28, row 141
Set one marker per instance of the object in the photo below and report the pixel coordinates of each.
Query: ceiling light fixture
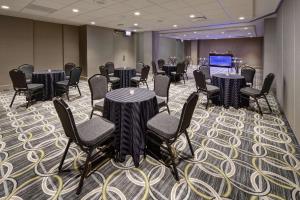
column 184, row 35
column 249, row 33
column 93, row 23
column 5, row 7
column 135, row 24
column 175, row 25
column 195, row 32
column 192, row 16
column 223, row 32
column 241, row 18
column 246, row 28
column 137, row 13
column 75, row 10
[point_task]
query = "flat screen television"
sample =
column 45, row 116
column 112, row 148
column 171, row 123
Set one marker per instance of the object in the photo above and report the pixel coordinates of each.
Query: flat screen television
column 220, row 60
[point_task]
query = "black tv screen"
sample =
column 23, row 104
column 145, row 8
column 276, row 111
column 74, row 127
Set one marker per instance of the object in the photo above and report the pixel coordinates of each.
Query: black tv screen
column 220, row 60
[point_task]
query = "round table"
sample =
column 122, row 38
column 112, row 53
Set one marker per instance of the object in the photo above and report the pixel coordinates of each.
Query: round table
column 125, row 74
column 230, row 85
column 48, row 78
column 169, row 69
column 130, row 109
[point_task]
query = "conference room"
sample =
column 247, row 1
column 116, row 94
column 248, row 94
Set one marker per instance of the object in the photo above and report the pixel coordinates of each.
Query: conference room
column 149, row 99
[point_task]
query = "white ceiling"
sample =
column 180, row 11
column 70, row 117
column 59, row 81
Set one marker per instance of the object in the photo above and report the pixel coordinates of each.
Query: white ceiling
column 155, row 14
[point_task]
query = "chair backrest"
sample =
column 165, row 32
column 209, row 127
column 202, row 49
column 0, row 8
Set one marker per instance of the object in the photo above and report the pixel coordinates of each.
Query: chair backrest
column 139, row 67
column 162, row 86
column 248, row 73
column 187, row 112
column 98, row 86
column 161, row 63
column 68, row 68
column 110, row 67
column 267, row 84
column 75, row 76
column 154, row 69
column 27, row 69
column 206, row 71
column 200, row 80
column 180, row 68
column 18, row 79
column 67, row 120
column 145, row 73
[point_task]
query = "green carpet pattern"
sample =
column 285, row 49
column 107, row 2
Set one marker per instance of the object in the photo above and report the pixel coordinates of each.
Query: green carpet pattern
column 238, row 155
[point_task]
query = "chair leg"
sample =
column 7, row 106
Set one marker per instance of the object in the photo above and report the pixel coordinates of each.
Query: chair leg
column 268, row 103
column 67, row 93
column 13, row 99
column 183, row 79
column 28, row 100
column 78, row 90
column 92, row 113
column 260, row 112
column 173, row 162
column 86, row 166
column 147, row 85
column 168, row 109
column 189, row 141
column 207, row 102
column 64, row 156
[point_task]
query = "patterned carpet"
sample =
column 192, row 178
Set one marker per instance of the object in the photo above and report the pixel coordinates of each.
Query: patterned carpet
column 238, row 155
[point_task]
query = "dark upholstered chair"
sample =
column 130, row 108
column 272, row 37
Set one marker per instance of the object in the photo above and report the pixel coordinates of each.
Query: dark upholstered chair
column 28, row 71
column 68, row 68
column 139, row 67
column 114, row 81
column 155, row 71
column 168, row 128
column 64, row 86
column 110, row 66
column 98, row 87
column 256, row 94
column 161, row 63
column 179, row 71
column 135, row 81
column 88, row 136
column 211, row 91
column 206, row 71
column 248, row 73
column 186, row 64
column 161, row 89
column 20, row 86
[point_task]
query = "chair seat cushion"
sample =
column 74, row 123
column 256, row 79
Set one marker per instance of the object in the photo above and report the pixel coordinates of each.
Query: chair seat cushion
column 95, row 131
column 111, row 74
column 208, row 81
column 67, row 77
column 160, row 101
column 138, row 74
column 35, row 86
column 99, row 105
column 28, row 80
column 250, row 91
column 136, row 79
column 114, row 79
column 62, row 83
column 160, row 71
column 164, row 125
column 212, row 89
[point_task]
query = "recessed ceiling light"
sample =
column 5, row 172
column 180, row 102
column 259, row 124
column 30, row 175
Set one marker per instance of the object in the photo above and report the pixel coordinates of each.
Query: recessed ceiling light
column 223, row 32
column 192, row 16
column 175, row 25
column 135, row 24
column 246, row 28
column 75, row 10
column 249, row 33
column 184, row 35
column 134, row 30
column 137, row 13
column 93, row 23
column 5, row 7
column 241, row 18
column 195, row 32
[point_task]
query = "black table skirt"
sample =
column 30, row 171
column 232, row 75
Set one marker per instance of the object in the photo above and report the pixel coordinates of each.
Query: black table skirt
column 48, row 79
column 230, row 90
column 169, row 69
column 130, row 119
column 125, row 75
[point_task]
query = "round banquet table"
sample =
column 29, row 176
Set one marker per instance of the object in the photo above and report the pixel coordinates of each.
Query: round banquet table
column 169, row 69
column 130, row 109
column 48, row 78
column 125, row 74
column 230, row 86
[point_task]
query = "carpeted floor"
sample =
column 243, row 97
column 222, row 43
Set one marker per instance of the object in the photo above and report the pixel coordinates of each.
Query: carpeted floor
column 238, row 155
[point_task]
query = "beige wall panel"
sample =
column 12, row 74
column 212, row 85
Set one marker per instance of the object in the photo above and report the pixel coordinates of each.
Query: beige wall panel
column 297, row 70
column 71, row 44
column 16, row 46
column 124, row 51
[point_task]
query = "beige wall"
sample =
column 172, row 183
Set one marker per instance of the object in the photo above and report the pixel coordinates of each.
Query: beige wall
column 286, row 60
column 170, row 47
column 250, row 49
column 45, row 45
